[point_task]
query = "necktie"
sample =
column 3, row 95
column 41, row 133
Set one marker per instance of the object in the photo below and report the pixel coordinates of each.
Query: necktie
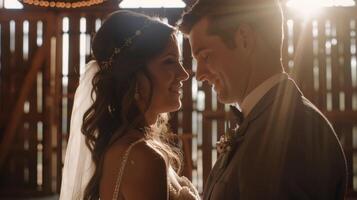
column 239, row 117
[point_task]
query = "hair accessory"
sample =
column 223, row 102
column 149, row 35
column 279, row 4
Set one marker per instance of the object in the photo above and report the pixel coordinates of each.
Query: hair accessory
column 128, row 42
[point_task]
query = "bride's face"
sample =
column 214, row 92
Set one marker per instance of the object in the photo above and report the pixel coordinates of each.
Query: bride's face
column 167, row 75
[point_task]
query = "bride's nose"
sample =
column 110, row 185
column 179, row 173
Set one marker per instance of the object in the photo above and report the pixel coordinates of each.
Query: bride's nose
column 182, row 74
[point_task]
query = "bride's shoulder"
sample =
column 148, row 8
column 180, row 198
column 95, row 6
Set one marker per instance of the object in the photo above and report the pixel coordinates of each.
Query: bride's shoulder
column 141, row 156
column 143, row 163
column 140, row 149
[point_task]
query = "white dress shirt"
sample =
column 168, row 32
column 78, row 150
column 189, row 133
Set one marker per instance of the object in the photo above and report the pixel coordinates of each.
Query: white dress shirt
column 256, row 94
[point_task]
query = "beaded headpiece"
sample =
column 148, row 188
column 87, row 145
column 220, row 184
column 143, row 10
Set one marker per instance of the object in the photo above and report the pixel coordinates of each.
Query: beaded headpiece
column 128, row 42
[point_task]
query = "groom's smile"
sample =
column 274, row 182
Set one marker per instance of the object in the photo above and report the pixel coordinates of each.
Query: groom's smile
column 225, row 66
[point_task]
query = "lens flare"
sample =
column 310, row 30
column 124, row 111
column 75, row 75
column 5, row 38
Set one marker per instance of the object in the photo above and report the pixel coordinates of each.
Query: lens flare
column 309, row 8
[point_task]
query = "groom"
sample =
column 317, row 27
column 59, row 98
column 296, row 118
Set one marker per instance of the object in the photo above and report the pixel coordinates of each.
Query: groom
column 285, row 148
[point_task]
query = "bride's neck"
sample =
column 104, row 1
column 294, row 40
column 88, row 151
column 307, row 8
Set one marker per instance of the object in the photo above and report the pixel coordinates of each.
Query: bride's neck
column 151, row 117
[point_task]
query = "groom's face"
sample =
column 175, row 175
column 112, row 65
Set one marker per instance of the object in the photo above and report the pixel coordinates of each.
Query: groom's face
column 226, row 68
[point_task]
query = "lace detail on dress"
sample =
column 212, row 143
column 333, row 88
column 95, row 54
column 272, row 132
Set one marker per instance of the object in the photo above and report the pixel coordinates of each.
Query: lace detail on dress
column 121, row 170
column 186, row 192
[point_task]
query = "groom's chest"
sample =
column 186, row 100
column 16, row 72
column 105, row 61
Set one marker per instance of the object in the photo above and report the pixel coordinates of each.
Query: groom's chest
column 230, row 177
column 226, row 176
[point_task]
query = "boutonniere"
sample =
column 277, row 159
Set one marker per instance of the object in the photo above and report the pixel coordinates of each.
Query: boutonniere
column 225, row 143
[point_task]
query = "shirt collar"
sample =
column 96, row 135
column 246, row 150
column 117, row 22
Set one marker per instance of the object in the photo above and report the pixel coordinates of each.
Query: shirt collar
column 256, row 94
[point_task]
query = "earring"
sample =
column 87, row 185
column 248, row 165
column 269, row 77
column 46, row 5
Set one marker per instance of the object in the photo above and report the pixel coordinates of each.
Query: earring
column 110, row 109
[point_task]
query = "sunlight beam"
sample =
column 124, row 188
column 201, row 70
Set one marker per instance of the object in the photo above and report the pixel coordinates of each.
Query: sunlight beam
column 308, row 8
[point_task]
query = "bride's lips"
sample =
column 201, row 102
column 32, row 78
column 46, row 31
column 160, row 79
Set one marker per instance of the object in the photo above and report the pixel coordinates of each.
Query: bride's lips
column 176, row 88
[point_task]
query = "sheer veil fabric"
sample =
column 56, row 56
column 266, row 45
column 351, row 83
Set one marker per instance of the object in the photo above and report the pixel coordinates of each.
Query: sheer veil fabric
column 78, row 165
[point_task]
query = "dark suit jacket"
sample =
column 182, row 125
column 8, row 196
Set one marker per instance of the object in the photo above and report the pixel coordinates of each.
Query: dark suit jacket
column 287, row 149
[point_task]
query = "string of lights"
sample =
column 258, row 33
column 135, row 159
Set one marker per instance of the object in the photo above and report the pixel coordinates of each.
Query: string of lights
column 62, row 3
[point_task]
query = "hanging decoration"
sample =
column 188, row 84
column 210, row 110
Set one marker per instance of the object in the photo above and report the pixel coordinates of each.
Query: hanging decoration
column 62, row 3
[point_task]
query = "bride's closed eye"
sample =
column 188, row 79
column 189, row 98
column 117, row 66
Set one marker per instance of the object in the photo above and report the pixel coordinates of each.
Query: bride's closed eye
column 170, row 61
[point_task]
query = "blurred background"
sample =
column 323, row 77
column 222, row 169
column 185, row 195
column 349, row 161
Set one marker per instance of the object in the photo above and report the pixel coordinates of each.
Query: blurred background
column 45, row 44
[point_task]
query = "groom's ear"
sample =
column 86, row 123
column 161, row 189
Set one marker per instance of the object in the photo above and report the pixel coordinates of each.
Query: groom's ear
column 245, row 38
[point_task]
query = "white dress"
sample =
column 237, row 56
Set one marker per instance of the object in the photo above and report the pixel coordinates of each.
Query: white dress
column 180, row 188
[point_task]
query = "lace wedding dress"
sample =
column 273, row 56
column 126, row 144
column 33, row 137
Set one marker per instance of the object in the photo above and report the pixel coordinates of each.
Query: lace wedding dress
column 184, row 191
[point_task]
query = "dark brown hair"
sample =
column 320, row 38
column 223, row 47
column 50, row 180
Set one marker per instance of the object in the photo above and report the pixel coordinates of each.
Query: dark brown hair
column 114, row 110
column 225, row 16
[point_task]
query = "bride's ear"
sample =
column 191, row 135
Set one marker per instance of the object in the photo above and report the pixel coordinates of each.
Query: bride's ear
column 142, row 89
column 139, row 85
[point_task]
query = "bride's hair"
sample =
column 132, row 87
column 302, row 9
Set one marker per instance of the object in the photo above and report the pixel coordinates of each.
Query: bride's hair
column 114, row 110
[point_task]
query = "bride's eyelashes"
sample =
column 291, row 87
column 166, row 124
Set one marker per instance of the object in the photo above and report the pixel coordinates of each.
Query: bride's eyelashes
column 170, row 61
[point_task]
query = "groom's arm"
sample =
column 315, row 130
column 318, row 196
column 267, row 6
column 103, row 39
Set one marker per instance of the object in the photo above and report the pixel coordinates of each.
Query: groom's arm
column 315, row 166
column 302, row 162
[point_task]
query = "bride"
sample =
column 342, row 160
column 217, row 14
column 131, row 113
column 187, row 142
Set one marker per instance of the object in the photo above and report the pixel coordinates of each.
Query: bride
column 119, row 145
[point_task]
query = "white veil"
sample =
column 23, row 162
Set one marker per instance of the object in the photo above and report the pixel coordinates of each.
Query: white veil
column 78, row 165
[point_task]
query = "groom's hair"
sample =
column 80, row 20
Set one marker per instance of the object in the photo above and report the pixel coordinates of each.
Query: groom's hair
column 225, row 16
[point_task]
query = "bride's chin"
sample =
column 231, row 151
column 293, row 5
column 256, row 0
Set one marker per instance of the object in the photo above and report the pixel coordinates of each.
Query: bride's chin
column 174, row 108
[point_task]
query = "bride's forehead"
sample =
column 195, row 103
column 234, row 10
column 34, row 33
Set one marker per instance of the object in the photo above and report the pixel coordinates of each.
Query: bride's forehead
column 170, row 49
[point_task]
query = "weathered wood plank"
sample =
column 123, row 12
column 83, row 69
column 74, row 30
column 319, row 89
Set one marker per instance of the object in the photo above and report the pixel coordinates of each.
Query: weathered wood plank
column 17, row 113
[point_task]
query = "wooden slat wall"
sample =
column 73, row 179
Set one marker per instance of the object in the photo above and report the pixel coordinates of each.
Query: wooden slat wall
column 21, row 164
column 207, row 133
column 5, row 75
column 187, row 109
column 32, row 134
column 322, row 65
column 45, row 156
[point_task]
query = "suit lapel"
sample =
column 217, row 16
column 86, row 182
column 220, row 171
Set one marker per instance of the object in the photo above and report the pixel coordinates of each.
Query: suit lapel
column 224, row 160
column 261, row 106
column 212, row 179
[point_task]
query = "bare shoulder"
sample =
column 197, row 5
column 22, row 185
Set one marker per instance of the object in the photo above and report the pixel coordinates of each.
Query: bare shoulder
column 145, row 168
column 142, row 152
